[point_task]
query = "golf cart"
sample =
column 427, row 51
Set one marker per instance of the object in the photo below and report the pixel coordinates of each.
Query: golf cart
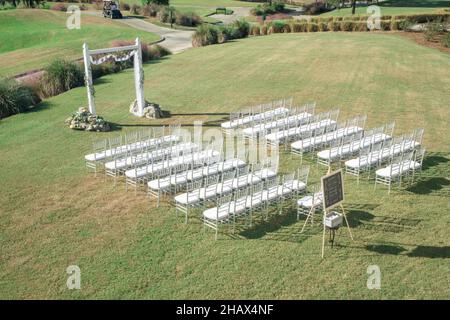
column 111, row 9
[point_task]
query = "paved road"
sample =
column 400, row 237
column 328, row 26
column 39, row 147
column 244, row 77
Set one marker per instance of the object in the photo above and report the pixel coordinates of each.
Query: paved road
column 174, row 40
column 238, row 12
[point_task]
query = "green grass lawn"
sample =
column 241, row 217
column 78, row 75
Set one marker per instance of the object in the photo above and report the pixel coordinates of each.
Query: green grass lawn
column 53, row 214
column 398, row 7
column 31, row 38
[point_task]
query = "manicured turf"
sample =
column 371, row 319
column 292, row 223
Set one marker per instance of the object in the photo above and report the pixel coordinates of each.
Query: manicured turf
column 53, row 214
column 397, row 7
column 31, row 38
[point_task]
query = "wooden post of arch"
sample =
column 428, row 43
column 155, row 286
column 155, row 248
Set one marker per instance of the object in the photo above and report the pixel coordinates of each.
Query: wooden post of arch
column 88, row 78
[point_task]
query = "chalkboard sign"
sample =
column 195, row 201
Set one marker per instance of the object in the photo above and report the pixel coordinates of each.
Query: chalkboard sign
column 333, row 189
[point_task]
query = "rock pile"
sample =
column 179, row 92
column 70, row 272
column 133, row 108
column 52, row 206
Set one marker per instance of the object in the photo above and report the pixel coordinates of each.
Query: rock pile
column 84, row 120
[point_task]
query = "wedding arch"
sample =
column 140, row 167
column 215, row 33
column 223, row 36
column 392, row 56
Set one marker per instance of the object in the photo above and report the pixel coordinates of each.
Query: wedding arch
column 112, row 53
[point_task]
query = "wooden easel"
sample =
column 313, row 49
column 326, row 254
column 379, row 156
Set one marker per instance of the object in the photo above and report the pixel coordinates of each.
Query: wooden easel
column 324, row 228
column 326, row 210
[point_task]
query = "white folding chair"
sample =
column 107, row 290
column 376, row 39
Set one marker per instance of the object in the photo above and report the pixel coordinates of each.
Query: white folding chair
column 220, row 214
column 188, row 200
column 98, row 156
column 309, row 205
column 254, row 199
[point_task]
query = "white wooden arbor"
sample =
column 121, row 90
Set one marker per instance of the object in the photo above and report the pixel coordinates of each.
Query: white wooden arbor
column 134, row 50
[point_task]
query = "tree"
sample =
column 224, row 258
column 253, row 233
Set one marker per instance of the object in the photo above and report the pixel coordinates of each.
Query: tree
column 353, row 6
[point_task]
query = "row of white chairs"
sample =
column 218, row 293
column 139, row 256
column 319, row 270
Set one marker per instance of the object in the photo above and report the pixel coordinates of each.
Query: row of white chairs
column 255, row 198
column 401, row 168
column 316, row 122
column 382, row 153
column 347, row 146
column 141, row 174
column 296, row 116
column 120, row 164
column 179, row 180
column 198, row 194
column 106, row 149
column 260, row 113
column 324, row 137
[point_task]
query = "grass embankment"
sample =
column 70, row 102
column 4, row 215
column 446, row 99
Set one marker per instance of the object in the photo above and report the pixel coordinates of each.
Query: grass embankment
column 30, row 38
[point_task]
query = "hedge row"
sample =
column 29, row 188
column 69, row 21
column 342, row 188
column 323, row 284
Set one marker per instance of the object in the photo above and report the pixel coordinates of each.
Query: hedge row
column 415, row 18
column 284, row 27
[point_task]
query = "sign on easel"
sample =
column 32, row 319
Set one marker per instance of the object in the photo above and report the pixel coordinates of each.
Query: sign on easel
column 333, row 196
column 333, row 189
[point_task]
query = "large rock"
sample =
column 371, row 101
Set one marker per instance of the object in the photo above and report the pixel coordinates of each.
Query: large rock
column 151, row 110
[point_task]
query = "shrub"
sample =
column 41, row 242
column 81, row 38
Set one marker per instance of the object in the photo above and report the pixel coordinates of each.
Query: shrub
column 296, row 27
column 156, row 52
column 397, row 24
column 164, row 15
column 15, row 97
column 277, row 27
column 361, row 26
column 323, row 26
column 347, row 25
column 254, row 30
column 424, row 18
column 105, row 68
column 188, row 19
column 135, row 9
column 334, row 26
column 243, row 27
column 445, row 41
column 313, row 27
column 266, row 8
column 222, row 36
column 264, row 30
column 150, row 10
column 287, row 28
column 385, row 25
column 205, row 35
column 59, row 7
column 61, row 75
column 124, row 6
column 231, row 32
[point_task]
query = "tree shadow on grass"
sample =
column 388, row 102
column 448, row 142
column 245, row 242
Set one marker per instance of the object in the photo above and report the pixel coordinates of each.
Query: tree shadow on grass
column 43, row 105
column 429, row 186
column 434, row 159
column 430, row 252
column 418, row 252
column 277, row 227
